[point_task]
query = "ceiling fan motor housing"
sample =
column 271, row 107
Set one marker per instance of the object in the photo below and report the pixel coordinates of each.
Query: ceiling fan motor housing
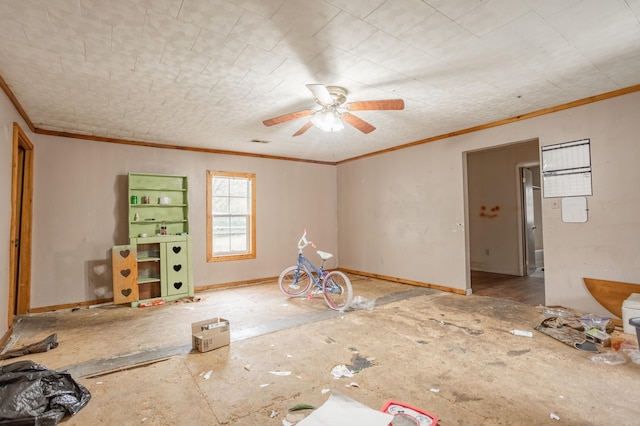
column 339, row 95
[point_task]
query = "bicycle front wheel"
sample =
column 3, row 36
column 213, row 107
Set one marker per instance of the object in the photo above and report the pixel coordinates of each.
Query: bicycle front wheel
column 294, row 281
column 337, row 290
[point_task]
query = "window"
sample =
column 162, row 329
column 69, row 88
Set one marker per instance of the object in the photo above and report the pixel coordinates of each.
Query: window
column 231, row 216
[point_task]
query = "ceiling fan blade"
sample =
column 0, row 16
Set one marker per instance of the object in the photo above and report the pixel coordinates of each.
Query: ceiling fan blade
column 383, row 104
column 321, row 93
column 303, row 129
column 357, row 122
column 288, row 117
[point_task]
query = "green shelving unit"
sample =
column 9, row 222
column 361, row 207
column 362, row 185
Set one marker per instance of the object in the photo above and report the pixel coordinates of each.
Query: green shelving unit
column 167, row 197
column 159, row 231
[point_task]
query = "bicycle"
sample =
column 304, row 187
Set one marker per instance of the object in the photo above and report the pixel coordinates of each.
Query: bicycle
column 298, row 279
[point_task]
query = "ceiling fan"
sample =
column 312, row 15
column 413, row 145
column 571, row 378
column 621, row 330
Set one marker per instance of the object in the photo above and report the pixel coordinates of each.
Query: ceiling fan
column 333, row 110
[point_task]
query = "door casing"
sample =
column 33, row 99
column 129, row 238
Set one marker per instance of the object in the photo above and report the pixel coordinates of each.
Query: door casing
column 21, row 225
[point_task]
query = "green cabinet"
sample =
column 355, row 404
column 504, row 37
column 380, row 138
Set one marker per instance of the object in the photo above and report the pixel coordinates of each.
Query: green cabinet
column 157, row 201
column 158, row 218
column 164, row 267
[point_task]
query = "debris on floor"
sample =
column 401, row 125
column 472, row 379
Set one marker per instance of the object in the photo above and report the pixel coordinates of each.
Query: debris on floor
column 555, row 311
column 609, row 358
column 32, row 394
column 189, row 299
column 623, row 341
column 340, row 371
column 340, row 410
column 406, row 414
column 591, row 333
column 151, row 303
column 586, row 346
column 633, row 354
column 302, row 406
column 360, row 303
column 294, row 418
column 574, row 330
column 51, row 342
column 358, row 362
column 523, row 333
column 467, row 330
column 280, row 373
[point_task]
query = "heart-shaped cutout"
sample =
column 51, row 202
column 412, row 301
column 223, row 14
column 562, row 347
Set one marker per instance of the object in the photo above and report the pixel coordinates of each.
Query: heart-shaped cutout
column 177, row 285
column 125, row 253
column 125, row 272
column 125, row 292
column 176, row 249
column 177, row 267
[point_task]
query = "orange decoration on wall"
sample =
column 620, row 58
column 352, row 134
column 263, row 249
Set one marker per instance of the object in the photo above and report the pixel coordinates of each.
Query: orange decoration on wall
column 492, row 214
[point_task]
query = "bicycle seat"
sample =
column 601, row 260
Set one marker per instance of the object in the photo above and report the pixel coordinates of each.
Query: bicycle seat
column 324, row 255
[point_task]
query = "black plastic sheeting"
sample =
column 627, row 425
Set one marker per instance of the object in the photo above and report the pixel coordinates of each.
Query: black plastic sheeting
column 31, row 394
column 45, row 345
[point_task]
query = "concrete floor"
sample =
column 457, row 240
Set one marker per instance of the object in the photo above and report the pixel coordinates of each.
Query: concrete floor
column 450, row 355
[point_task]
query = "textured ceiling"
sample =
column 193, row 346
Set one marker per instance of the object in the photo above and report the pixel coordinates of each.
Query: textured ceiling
column 206, row 73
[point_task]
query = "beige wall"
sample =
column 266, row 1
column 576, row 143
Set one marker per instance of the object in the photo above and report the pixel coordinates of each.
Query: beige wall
column 8, row 115
column 402, row 214
column 80, row 211
column 493, row 182
column 6, row 137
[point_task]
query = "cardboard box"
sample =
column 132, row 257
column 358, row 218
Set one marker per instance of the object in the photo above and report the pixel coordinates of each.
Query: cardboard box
column 210, row 334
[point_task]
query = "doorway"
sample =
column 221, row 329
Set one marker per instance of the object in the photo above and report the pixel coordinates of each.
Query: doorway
column 531, row 220
column 21, row 220
column 503, row 218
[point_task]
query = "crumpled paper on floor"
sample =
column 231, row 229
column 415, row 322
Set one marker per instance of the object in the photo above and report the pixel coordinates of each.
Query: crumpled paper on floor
column 341, row 371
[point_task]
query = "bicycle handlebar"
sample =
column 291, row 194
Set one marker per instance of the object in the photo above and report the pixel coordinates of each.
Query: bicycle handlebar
column 304, row 242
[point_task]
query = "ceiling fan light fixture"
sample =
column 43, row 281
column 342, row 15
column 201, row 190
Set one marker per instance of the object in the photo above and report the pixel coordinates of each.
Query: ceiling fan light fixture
column 328, row 120
column 335, row 111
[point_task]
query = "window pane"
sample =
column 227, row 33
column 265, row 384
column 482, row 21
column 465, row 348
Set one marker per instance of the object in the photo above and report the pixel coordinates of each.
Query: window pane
column 220, row 186
column 239, row 188
column 239, row 206
column 221, row 221
column 220, row 205
column 239, row 238
column 239, row 242
column 221, row 244
column 230, row 234
column 239, row 224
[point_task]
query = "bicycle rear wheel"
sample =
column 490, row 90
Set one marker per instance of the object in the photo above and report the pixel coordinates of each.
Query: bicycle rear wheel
column 337, row 290
column 294, row 281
